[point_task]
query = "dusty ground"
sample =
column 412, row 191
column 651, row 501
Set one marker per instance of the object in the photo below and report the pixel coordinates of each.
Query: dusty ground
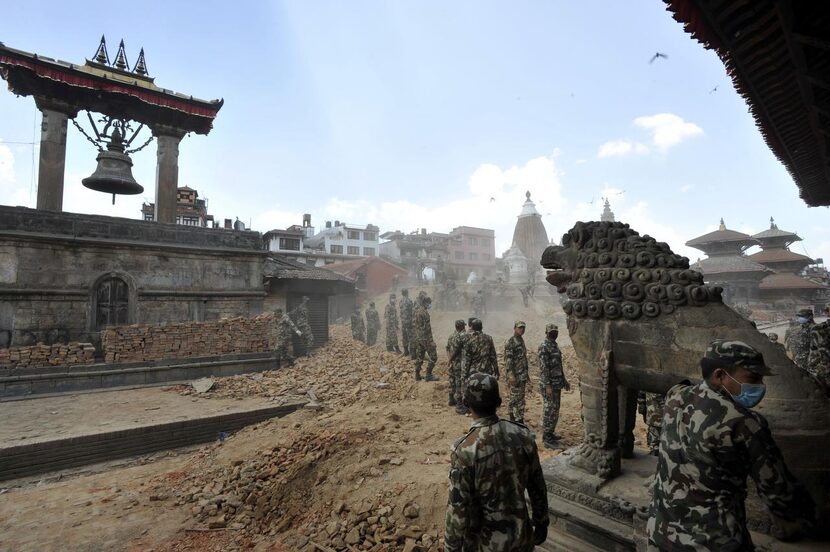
column 368, row 471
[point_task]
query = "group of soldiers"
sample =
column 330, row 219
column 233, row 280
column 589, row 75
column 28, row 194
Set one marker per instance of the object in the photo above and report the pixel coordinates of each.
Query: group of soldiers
column 469, row 351
column 286, row 327
column 809, row 345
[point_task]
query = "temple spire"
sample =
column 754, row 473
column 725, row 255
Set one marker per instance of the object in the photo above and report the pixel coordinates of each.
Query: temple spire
column 140, row 66
column 722, row 226
column 121, row 58
column 772, row 225
column 101, row 56
column 607, row 213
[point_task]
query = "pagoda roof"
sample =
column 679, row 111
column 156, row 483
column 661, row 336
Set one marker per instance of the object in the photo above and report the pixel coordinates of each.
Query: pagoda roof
column 777, row 54
column 722, row 235
column 788, row 281
column 779, row 255
column 774, row 232
column 724, row 264
column 98, row 87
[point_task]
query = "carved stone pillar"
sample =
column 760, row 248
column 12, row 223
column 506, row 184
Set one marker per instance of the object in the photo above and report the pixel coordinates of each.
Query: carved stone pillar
column 52, row 153
column 167, row 172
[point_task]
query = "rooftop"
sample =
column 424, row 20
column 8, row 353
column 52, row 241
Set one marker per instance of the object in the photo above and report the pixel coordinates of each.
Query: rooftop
column 722, row 235
column 726, row 264
column 788, row 281
column 775, row 232
column 282, row 268
column 778, row 256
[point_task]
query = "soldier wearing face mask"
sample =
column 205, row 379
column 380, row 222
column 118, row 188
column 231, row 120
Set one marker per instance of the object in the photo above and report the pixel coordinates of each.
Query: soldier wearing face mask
column 711, row 441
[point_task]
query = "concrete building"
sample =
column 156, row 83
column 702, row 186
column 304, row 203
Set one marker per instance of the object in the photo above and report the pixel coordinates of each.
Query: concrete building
column 471, row 250
column 190, row 209
column 344, row 239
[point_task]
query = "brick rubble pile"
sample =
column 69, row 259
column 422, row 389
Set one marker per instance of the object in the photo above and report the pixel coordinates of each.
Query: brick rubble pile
column 41, row 355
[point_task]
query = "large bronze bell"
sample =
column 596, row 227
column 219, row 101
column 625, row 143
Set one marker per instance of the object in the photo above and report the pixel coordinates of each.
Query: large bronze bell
column 114, row 174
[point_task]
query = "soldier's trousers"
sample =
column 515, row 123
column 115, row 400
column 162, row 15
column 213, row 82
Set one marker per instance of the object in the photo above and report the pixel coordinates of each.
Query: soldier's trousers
column 425, row 350
column 517, row 401
column 284, row 356
column 550, row 413
column 392, row 340
column 357, row 335
column 456, row 380
column 654, row 419
column 371, row 336
column 406, row 339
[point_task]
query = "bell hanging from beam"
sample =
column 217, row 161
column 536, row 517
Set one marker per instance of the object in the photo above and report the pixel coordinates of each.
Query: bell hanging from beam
column 114, row 174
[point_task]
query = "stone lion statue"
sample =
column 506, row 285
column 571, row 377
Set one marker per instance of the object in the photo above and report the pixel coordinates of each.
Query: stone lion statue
column 640, row 319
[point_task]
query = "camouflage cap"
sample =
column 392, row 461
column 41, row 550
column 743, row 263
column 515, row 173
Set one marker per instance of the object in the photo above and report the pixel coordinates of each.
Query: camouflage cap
column 738, row 353
column 422, row 293
column 807, row 313
column 482, row 391
column 519, row 324
column 460, row 322
column 551, row 328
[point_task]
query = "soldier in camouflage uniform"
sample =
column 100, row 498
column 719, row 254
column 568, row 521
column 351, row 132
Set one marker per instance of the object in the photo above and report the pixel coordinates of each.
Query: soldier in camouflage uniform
column 491, row 468
column 372, row 324
column 284, row 329
column 407, row 313
column 551, row 382
column 478, row 304
column 301, row 316
column 799, row 343
column 818, row 362
column 455, row 357
column 480, row 352
column 515, row 366
column 650, row 406
column 358, row 327
column 391, row 316
column 711, row 442
column 424, row 343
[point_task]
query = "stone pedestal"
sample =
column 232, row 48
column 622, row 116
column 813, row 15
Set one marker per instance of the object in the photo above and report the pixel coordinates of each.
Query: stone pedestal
column 167, row 172
column 52, row 154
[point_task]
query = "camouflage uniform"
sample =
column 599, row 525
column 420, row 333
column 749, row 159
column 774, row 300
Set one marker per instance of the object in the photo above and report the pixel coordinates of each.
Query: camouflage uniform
column 391, row 316
column 650, row 406
column 285, row 327
column 423, row 343
column 455, row 354
column 491, row 467
column 551, row 373
column 301, row 315
column 818, row 362
column 708, row 447
column 800, row 340
column 407, row 307
column 372, row 324
column 515, row 366
column 478, row 304
column 480, row 355
column 358, row 328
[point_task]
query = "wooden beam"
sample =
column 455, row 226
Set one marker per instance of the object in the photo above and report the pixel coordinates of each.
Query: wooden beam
column 815, row 41
column 817, row 81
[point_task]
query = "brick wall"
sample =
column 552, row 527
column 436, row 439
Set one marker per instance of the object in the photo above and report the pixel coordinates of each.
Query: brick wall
column 47, row 355
column 189, row 339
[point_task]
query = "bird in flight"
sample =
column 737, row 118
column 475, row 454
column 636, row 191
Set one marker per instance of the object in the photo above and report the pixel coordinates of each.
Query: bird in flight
column 658, row 55
column 715, row 89
column 492, row 199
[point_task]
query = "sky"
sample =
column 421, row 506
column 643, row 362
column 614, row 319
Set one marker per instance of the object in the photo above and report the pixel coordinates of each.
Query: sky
column 426, row 114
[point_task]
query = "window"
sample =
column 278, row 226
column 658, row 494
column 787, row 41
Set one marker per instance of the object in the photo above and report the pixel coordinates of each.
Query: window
column 336, row 249
column 353, row 235
column 473, row 241
column 290, row 244
column 353, row 250
column 459, row 255
column 473, row 256
column 485, row 256
column 485, row 242
column 111, row 302
column 149, row 216
column 370, row 236
column 369, row 251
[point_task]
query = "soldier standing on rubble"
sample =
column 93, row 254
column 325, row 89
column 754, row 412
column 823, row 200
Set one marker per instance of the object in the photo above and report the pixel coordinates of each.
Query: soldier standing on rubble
column 358, row 328
column 455, row 354
column 818, row 361
column 798, row 341
column 551, row 382
column 478, row 304
column 423, row 342
column 515, row 366
column 391, row 316
column 711, row 441
column 650, row 406
column 372, row 324
column 491, row 468
column 480, row 352
column 284, row 329
column 406, row 307
column 301, row 315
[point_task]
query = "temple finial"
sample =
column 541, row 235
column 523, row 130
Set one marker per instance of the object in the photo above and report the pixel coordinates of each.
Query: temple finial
column 140, row 66
column 722, row 226
column 121, row 58
column 772, row 225
column 527, row 195
column 101, row 56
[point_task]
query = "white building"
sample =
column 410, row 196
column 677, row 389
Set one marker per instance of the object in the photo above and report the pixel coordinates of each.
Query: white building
column 344, row 239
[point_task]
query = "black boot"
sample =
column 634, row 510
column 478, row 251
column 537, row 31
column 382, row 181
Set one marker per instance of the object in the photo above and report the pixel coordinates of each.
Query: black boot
column 451, row 400
column 417, row 374
column 430, row 377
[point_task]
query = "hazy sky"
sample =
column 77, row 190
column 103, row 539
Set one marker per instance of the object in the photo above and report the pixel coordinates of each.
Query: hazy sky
column 413, row 114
